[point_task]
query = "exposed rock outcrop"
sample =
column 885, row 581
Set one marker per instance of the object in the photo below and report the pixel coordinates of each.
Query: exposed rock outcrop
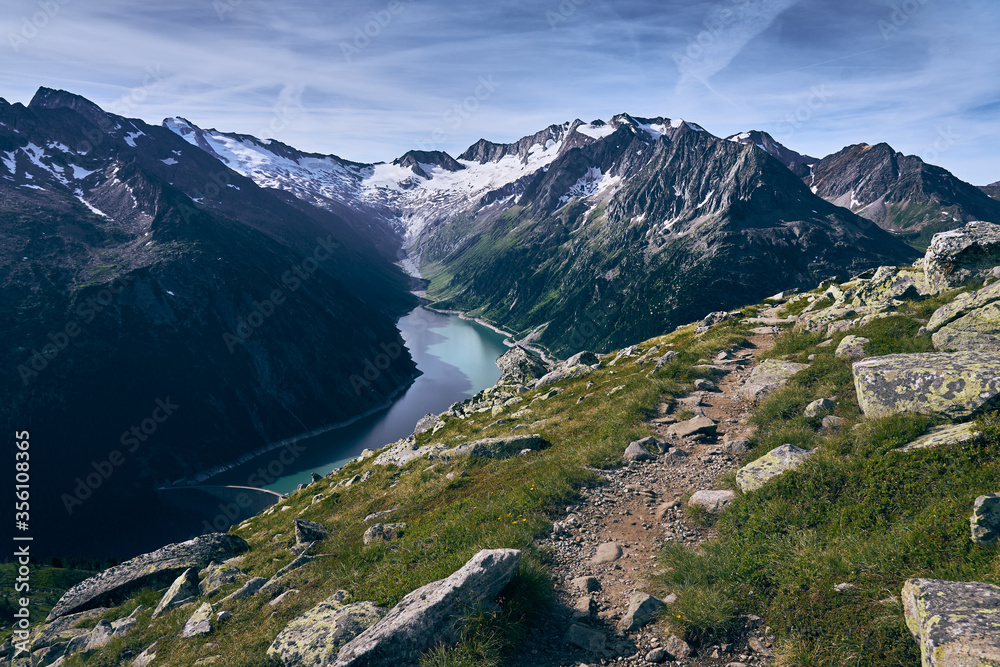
column 957, row 624
column 961, row 254
column 520, row 366
column 154, row 569
column 777, row 461
column 985, row 520
column 428, row 614
column 316, row 637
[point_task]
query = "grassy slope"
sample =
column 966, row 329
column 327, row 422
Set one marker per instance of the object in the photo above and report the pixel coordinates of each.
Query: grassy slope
column 855, row 512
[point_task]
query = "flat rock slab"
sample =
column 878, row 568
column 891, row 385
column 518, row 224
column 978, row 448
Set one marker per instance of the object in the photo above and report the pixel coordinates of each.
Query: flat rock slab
column 495, row 448
column 943, row 435
column 777, row 461
column 428, row 615
column 951, row 385
column 771, row 374
column 693, row 426
column 156, row 569
column 184, row 589
column 608, row 552
column 200, row 622
column 957, row 624
column 585, row 638
column 316, row 637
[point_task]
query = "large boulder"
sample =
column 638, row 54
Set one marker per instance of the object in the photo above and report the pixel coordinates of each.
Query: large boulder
column 404, row 451
column 582, row 359
column 985, row 521
column 962, row 305
column 712, row 501
column 519, row 366
column 309, row 531
column 494, row 448
column 316, row 637
column 428, row 615
column 951, row 385
column 890, row 283
column 956, row 624
column 563, row 373
column 961, row 254
column 156, row 569
column 777, row 461
column 700, row 425
column 970, row 322
column 769, row 375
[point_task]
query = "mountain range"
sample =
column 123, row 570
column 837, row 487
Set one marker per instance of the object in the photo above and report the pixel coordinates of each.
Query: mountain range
column 245, row 281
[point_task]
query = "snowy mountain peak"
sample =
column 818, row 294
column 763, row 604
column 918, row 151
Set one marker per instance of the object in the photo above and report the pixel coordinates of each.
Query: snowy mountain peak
column 797, row 162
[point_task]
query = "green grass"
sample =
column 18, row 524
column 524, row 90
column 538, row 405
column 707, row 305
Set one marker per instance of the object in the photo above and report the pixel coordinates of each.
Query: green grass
column 855, row 512
column 498, row 504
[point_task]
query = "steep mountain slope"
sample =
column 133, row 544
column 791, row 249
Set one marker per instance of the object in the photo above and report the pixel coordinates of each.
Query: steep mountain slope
column 798, row 163
column 165, row 314
column 900, row 193
column 993, row 189
column 635, row 232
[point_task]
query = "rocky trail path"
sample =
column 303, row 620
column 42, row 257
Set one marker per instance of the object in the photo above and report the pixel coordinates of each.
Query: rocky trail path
column 605, row 547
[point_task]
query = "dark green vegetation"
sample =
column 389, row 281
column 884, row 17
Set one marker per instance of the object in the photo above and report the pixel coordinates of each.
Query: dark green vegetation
column 856, row 512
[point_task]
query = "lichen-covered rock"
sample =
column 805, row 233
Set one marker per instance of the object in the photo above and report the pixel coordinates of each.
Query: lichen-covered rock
column 943, row 435
column 891, row 283
column 582, row 359
column 428, row 615
column 200, row 622
column 155, row 569
column 953, row 339
column 246, row 590
column 777, row 461
column 961, row 254
column 851, row 347
column 712, row 319
column 217, row 575
column 309, row 531
column 712, row 501
column 519, row 366
column 769, row 375
column 821, row 406
column 562, row 374
column 821, row 320
column 985, row 521
column 951, row 385
column 383, row 532
column 404, row 451
column 183, row 590
column 962, row 305
column 316, row 637
column 956, row 624
column 494, row 448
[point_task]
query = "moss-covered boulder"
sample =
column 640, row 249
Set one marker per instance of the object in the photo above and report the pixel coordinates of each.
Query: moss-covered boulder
column 961, row 254
column 957, row 624
column 316, row 637
column 951, row 385
column 155, row 570
column 777, row 461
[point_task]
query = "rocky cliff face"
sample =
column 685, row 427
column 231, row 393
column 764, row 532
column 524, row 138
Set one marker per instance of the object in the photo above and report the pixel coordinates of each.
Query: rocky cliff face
column 901, row 193
column 165, row 314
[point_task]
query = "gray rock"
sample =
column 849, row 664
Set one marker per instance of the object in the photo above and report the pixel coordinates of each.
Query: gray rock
column 768, row 376
column 656, row 656
column 831, row 423
column 582, row 359
column 494, row 448
column 563, row 374
column 99, row 636
column 961, row 254
column 653, row 444
column 383, row 532
column 584, row 608
column 955, row 623
column 971, row 322
column 954, row 386
column 428, row 615
column 777, row 461
column 944, row 435
column 675, row 454
column 641, row 609
column 152, row 570
column 425, row 423
column 200, row 622
column 519, row 366
column 309, row 531
column 315, row 477
column 316, row 637
column 223, row 616
column 702, row 384
column 585, row 638
column 216, row 576
column 821, row 406
column 246, row 590
column 636, row 452
column 695, row 426
column 607, row 553
column 712, row 501
column 737, row 447
column 145, row 658
column 183, row 590
column 587, row 584
column 711, row 320
column 985, row 521
column 665, row 359
column 677, row 648
column 276, row 584
column 851, row 347
column 404, row 451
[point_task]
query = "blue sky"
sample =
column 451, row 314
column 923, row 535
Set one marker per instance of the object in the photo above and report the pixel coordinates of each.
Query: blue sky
column 370, row 79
